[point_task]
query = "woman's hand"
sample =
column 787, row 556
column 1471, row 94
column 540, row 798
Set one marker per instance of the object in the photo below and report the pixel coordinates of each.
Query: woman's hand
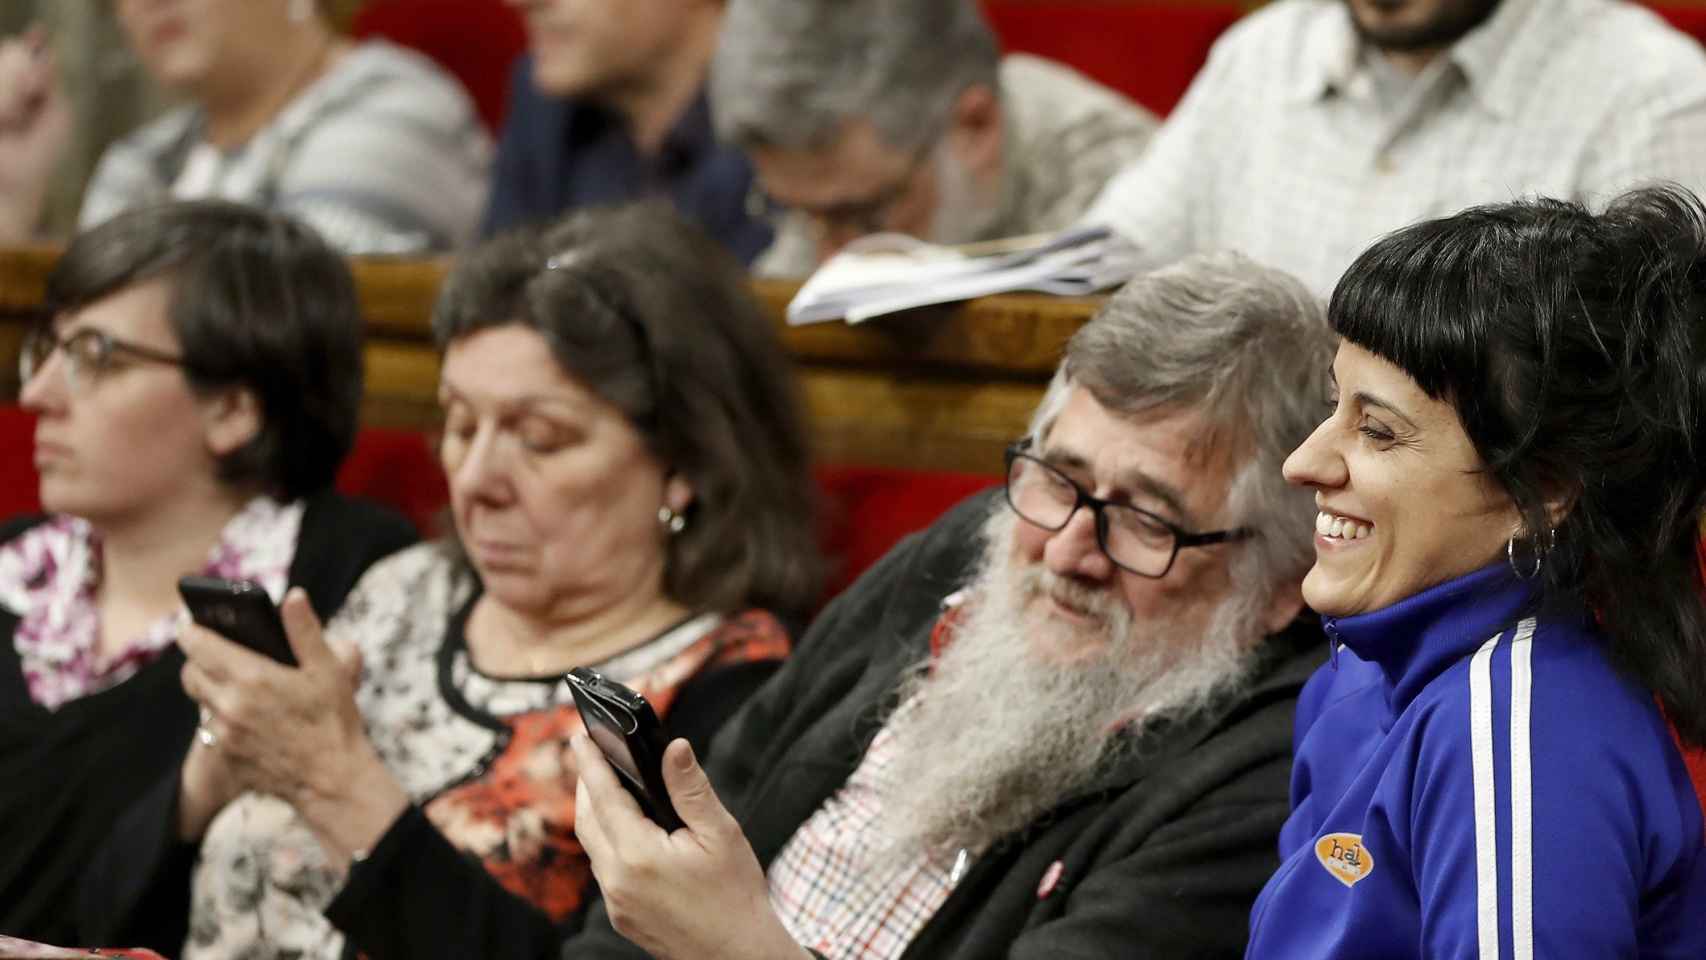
column 698, row 892
column 293, row 732
column 35, row 129
column 206, row 783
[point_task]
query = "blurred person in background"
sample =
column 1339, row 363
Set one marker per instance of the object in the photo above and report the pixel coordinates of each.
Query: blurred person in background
column 374, row 146
column 196, row 384
column 609, row 106
column 1318, row 125
column 864, row 116
column 108, row 91
column 628, row 479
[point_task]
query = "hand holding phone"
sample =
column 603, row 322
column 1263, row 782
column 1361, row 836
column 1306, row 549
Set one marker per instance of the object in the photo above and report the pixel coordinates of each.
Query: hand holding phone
column 627, row 731
column 239, row 610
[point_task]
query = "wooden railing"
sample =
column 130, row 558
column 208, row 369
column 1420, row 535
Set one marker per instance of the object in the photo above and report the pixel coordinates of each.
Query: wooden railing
column 933, row 389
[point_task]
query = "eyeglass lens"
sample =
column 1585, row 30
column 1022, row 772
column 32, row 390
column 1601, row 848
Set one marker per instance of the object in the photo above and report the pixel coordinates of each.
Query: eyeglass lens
column 85, row 354
column 1047, row 497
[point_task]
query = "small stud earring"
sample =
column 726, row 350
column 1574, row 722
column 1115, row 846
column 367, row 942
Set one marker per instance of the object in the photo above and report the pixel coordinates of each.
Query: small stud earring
column 672, row 522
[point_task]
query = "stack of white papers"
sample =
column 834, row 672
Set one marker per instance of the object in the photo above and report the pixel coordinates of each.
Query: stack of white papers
column 889, row 272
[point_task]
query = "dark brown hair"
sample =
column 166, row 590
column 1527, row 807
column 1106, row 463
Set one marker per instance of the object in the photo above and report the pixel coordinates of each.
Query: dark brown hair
column 1573, row 349
column 653, row 316
column 258, row 301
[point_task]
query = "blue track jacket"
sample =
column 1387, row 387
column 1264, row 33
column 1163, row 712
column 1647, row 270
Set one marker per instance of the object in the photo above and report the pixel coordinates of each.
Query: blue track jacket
column 1472, row 783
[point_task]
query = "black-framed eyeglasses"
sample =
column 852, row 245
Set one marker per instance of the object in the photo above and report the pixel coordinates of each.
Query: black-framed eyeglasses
column 1136, row 540
column 869, row 214
column 88, row 353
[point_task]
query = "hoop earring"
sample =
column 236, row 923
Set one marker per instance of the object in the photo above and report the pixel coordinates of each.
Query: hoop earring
column 1539, row 554
column 671, row 522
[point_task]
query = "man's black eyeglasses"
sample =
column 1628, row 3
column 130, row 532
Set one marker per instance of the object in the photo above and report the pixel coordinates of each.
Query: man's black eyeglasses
column 1135, row 540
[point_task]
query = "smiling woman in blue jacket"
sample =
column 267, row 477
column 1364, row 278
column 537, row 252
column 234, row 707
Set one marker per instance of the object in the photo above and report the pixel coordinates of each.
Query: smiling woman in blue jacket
column 1509, row 483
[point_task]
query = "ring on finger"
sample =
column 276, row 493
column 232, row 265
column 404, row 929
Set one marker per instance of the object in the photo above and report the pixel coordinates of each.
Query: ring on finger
column 204, row 734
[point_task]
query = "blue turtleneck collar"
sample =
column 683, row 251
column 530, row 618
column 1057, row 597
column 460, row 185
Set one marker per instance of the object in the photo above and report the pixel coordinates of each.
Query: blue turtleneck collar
column 1417, row 638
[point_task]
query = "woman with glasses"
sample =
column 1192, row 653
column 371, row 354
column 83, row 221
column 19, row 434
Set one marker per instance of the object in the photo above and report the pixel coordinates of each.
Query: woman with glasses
column 629, row 490
column 195, row 386
column 1509, row 484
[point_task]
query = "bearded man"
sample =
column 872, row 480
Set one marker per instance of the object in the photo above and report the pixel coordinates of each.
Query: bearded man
column 1057, row 723
column 1319, row 125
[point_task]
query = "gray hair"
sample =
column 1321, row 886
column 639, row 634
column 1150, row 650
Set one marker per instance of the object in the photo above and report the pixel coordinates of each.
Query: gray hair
column 1245, row 346
column 790, row 73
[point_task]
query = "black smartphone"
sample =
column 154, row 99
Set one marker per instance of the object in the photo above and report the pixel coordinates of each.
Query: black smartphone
column 239, row 610
column 629, row 734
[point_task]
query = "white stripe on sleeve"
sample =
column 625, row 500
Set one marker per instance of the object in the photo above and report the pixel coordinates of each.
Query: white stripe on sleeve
column 1522, row 807
column 1486, row 812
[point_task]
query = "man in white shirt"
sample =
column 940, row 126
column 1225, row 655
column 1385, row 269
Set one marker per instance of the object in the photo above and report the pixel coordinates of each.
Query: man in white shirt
column 1318, row 125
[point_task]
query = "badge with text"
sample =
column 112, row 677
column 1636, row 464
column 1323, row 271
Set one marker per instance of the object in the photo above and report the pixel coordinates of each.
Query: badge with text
column 1344, row 857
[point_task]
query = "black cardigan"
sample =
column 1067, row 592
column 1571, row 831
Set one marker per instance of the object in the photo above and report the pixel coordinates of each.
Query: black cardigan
column 1161, row 858
column 67, row 774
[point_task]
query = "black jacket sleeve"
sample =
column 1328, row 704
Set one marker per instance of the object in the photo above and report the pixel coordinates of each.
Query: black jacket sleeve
column 136, row 892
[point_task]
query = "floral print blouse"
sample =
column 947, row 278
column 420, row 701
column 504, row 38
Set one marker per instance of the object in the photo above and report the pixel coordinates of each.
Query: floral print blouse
column 50, row 576
column 480, row 755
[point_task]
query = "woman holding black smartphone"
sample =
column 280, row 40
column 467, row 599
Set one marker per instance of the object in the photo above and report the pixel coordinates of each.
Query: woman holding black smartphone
column 629, row 485
column 195, row 382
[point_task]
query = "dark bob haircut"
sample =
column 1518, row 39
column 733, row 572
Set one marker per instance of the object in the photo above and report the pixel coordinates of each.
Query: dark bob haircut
column 1573, row 348
column 258, row 301
column 648, row 313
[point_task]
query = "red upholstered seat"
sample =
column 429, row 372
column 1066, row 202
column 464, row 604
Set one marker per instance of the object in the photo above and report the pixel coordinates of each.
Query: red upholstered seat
column 1148, row 51
column 1696, row 759
column 399, row 469
column 475, row 40
column 867, row 510
column 17, row 462
column 1690, row 20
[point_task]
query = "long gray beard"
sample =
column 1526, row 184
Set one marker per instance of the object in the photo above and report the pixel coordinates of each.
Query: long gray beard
column 994, row 733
